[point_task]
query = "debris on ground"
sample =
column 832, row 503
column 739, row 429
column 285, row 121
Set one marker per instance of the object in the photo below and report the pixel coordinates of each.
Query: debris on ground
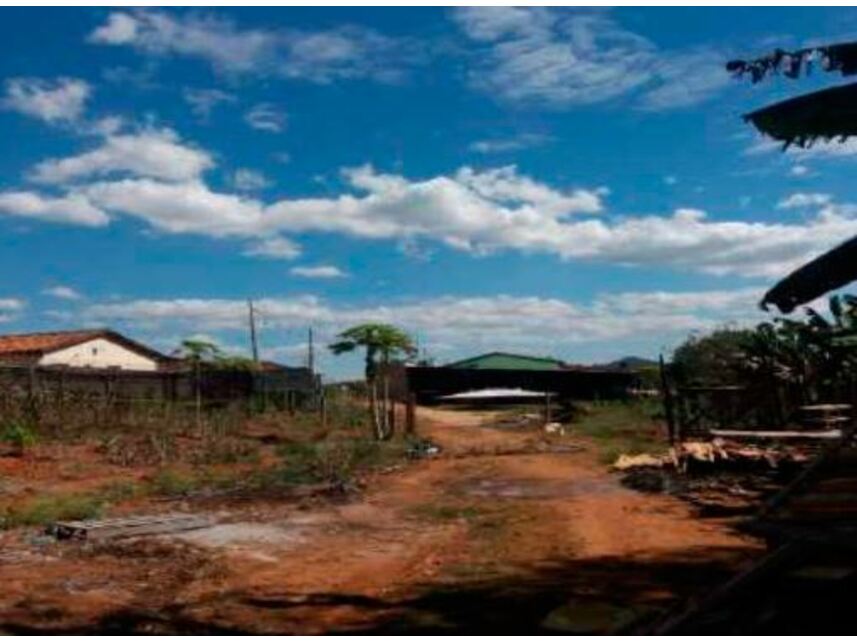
column 127, row 527
column 422, row 448
column 717, row 477
column 715, row 452
column 641, row 460
column 518, row 421
column 554, row 428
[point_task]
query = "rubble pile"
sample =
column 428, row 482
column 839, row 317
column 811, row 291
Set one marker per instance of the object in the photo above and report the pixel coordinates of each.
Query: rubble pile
column 718, row 477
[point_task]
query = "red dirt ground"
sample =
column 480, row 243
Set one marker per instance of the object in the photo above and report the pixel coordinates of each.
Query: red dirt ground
column 469, row 541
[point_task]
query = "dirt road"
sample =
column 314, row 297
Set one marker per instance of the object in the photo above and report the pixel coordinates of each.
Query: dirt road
column 475, row 540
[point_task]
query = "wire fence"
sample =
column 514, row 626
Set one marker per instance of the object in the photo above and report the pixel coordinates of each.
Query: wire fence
column 67, row 399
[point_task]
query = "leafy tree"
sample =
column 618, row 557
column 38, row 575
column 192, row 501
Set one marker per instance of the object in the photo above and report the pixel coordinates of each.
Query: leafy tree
column 711, row 360
column 382, row 344
column 204, row 354
column 815, row 356
column 199, row 351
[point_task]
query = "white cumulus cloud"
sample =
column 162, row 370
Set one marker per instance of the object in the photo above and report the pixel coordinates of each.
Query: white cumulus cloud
column 203, row 101
column 75, row 209
column 266, row 117
column 156, row 153
column 319, row 56
column 62, row 292
column 274, row 248
column 318, row 272
column 576, row 56
column 248, row 180
column 464, row 324
column 61, row 100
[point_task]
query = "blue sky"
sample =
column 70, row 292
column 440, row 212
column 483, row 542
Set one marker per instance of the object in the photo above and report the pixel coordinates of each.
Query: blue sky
column 569, row 182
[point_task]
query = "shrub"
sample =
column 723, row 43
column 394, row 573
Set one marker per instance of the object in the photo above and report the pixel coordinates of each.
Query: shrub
column 119, row 491
column 334, row 459
column 171, row 483
column 18, row 436
column 52, row 508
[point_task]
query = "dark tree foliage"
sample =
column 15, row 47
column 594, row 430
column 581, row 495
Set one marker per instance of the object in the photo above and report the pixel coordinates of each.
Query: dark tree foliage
column 817, row 355
column 711, row 360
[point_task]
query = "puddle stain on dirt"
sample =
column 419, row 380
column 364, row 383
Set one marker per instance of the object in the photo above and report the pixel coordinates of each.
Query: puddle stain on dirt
column 535, row 489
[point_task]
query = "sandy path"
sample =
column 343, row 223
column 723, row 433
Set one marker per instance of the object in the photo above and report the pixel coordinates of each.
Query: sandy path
column 544, row 524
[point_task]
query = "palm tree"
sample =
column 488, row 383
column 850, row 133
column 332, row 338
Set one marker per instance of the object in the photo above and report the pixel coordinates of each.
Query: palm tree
column 383, row 343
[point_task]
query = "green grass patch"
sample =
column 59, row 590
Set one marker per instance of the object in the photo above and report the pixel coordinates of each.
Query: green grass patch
column 120, row 491
column 52, row 508
column 333, row 459
column 168, row 482
column 622, row 427
column 18, row 436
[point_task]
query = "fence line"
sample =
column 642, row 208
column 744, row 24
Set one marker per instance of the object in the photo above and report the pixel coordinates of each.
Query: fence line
column 68, row 397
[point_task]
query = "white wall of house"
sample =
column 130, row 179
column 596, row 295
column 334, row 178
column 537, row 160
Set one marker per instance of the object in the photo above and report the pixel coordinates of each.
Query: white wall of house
column 99, row 353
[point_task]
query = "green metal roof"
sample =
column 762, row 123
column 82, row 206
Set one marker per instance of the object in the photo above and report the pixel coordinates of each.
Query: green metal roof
column 509, row 361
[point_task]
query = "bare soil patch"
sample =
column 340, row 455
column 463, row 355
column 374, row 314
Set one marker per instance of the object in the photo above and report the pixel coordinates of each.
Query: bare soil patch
column 469, row 541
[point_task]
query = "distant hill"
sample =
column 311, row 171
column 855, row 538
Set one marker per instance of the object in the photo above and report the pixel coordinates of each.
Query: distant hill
column 631, row 363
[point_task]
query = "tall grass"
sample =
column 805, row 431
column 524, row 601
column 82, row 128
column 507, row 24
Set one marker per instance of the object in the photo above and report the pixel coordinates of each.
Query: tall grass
column 622, row 427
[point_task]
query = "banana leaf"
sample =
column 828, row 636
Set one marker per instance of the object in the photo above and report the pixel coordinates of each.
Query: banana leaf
column 830, row 271
column 826, row 114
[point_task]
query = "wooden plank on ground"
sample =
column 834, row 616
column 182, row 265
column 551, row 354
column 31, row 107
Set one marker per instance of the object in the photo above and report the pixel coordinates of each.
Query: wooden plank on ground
column 832, row 434
column 127, row 527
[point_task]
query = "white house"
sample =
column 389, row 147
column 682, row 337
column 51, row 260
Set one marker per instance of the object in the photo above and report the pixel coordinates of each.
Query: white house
column 100, row 348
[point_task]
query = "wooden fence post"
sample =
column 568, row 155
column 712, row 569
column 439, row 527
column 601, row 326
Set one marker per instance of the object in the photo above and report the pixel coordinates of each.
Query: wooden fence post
column 61, row 395
column 411, row 415
column 391, row 418
column 322, row 405
column 547, row 408
column 669, row 410
column 290, row 398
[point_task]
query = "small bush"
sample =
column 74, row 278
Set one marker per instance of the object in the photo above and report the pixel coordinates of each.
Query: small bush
column 171, row 483
column 18, row 436
column 622, row 427
column 48, row 509
column 120, row 491
column 335, row 459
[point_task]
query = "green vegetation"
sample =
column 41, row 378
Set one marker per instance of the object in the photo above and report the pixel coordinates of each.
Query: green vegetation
column 168, row 482
column 52, row 508
column 711, row 360
column 19, row 436
column 622, row 427
column 307, row 453
column 205, row 354
column 382, row 343
column 335, row 459
column 817, row 354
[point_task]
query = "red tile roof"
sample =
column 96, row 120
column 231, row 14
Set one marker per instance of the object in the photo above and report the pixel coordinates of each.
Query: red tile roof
column 45, row 342
column 41, row 343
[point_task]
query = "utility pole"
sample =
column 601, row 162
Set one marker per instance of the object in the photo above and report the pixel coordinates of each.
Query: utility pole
column 310, row 358
column 254, row 346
